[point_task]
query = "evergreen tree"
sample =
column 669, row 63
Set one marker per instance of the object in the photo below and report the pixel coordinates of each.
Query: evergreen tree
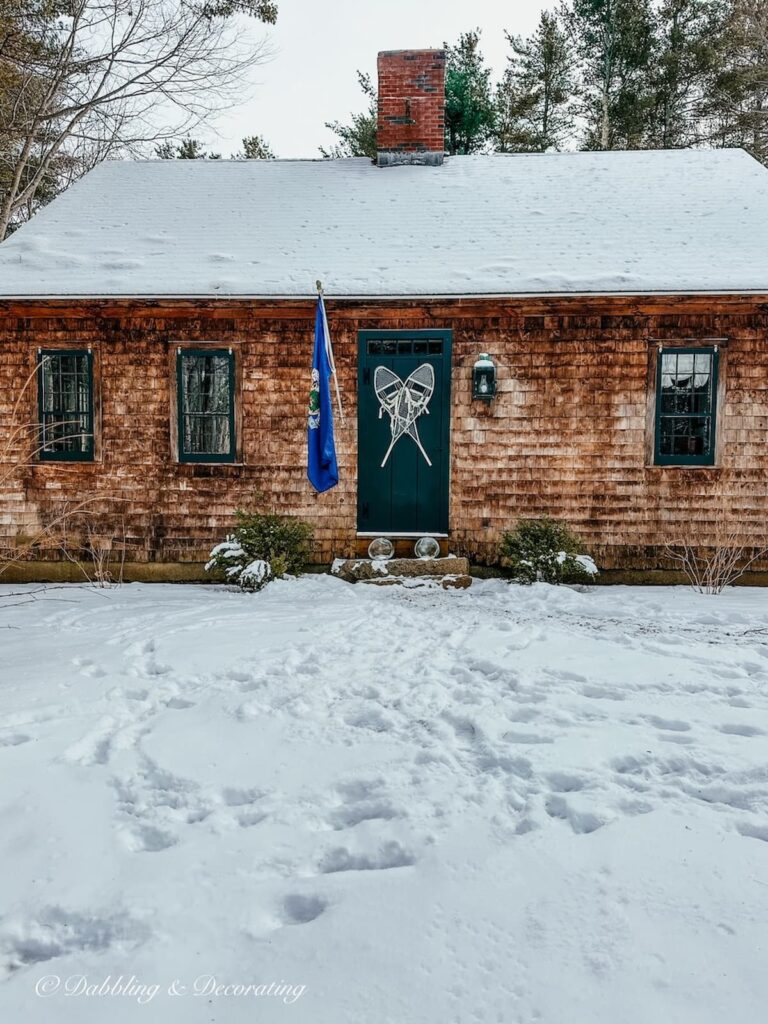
column 534, row 100
column 469, row 108
column 26, row 38
column 737, row 99
column 255, row 147
column 187, row 149
column 613, row 40
column 359, row 137
column 684, row 57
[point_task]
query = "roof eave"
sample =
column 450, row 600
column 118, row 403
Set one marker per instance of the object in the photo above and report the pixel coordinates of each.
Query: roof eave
column 371, row 297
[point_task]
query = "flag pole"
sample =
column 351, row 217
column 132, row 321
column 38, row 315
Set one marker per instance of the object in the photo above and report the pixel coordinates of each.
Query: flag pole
column 329, row 348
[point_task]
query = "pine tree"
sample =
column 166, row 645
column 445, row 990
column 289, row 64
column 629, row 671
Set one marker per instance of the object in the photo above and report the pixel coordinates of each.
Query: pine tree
column 737, row 101
column 613, row 40
column 255, row 147
column 534, row 100
column 359, row 137
column 187, row 149
column 685, row 51
column 469, row 108
column 26, row 38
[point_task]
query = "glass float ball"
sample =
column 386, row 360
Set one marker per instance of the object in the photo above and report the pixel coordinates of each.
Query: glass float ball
column 426, row 547
column 381, row 549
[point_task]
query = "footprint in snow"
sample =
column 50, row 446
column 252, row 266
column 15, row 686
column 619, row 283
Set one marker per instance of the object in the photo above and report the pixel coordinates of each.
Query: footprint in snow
column 139, row 695
column 582, row 822
column 530, row 738
column 734, row 729
column 601, row 693
column 15, row 739
column 372, row 719
column 247, row 819
column 668, row 724
column 56, row 932
column 148, row 839
column 301, row 909
column 634, row 807
column 562, row 782
column 390, row 855
column 676, row 737
column 241, row 797
column 524, row 715
column 565, row 676
column 354, row 813
column 94, row 748
column 746, row 828
column 89, row 668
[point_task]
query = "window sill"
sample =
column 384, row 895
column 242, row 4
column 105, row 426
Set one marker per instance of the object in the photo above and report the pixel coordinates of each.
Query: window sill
column 48, row 461
column 218, row 465
column 683, row 466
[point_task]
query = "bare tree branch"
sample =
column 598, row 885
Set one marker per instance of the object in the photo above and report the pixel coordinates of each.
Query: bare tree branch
column 81, row 80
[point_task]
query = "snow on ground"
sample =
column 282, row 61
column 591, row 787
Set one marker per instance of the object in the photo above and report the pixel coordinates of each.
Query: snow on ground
column 393, row 806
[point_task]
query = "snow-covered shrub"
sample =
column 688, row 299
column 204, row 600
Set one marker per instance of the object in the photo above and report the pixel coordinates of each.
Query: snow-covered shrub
column 230, row 560
column 262, row 548
column 545, row 550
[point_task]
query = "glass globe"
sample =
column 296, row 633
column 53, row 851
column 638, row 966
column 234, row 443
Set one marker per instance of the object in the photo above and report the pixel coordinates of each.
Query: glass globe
column 426, row 547
column 381, row 549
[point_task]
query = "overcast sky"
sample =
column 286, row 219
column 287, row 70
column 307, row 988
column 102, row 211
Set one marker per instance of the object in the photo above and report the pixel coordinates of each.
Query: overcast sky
column 318, row 47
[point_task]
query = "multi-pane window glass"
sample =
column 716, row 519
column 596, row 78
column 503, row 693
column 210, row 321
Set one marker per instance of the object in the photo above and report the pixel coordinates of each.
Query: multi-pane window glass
column 206, row 406
column 65, row 391
column 685, row 407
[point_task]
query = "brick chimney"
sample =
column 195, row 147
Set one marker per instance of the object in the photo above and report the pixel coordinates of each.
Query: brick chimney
column 411, row 126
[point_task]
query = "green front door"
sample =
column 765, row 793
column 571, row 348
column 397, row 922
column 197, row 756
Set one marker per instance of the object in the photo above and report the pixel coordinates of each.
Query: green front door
column 404, row 398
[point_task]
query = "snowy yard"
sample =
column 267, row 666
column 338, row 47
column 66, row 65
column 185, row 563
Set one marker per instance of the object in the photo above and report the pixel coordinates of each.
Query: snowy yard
column 384, row 806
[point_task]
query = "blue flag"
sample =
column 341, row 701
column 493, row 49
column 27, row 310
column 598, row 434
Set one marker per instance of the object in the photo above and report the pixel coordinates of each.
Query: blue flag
column 322, row 468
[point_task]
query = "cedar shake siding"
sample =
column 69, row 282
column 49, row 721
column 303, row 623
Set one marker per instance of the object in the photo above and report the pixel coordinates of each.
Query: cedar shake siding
column 570, row 434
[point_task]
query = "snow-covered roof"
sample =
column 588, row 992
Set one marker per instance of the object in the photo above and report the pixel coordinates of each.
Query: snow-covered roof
column 628, row 222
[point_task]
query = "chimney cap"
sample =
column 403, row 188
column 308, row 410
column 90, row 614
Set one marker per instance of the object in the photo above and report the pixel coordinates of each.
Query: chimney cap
column 438, row 52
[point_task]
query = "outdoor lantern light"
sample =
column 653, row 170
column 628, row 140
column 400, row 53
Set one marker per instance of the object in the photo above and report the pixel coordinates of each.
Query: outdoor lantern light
column 484, row 379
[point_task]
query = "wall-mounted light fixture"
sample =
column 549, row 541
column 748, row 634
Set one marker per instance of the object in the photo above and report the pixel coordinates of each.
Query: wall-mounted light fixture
column 484, row 379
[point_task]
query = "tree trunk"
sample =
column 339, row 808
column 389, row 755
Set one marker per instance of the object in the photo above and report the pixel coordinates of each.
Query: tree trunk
column 605, row 121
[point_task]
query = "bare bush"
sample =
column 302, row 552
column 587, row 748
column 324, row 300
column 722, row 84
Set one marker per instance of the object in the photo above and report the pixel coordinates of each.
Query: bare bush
column 97, row 549
column 710, row 569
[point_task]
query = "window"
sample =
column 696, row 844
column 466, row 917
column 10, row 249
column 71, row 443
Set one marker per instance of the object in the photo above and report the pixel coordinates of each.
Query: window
column 206, row 400
column 65, row 396
column 686, row 399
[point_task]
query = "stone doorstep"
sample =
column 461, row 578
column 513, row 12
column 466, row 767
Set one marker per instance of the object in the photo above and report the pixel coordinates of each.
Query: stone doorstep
column 448, row 572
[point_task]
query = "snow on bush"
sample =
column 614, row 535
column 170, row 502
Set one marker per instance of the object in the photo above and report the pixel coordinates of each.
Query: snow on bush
column 231, row 561
column 262, row 548
column 256, row 574
column 544, row 550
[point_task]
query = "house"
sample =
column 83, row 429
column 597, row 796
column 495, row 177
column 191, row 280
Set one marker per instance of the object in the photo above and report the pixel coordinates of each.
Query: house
column 168, row 307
